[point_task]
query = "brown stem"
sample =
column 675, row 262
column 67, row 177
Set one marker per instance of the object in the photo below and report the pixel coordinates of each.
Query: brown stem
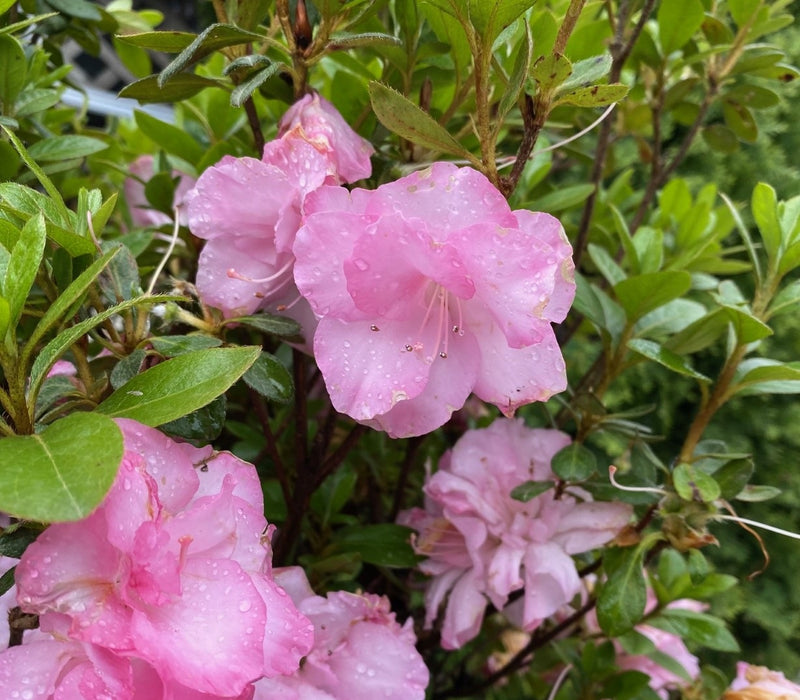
column 568, row 25
column 412, row 447
column 534, row 115
column 332, row 463
column 255, row 125
column 271, row 449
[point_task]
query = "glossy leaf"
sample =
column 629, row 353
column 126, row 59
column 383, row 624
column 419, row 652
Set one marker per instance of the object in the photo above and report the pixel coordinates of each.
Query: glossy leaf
column 280, row 326
column 179, row 386
column 43, row 478
column 622, row 598
column 174, row 345
column 588, row 71
column 699, row 628
column 733, row 477
column 171, row 138
column 270, row 379
column 666, row 358
column 764, row 205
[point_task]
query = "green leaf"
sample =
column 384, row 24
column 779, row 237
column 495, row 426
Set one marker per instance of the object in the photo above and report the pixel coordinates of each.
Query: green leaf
column 217, row 36
column 599, row 308
column 23, row 266
column 171, row 138
column 551, row 71
column 270, row 379
column 641, row 294
column 174, row 345
column 15, row 540
column 13, row 71
column 168, row 42
column 179, row 386
column 516, row 82
column 622, row 598
column 562, row 198
column 742, row 10
column 530, row 489
column 127, row 368
column 765, row 212
column 79, row 9
column 747, row 327
column 44, row 478
column 64, row 340
column 755, row 494
column 279, row 326
column 694, row 485
column 575, row 462
column 490, row 17
column 733, row 477
column 5, row 6
column 345, row 42
column 45, row 181
column 740, row 120
column 593, row 95
column 699, row 628
column 786, row 299
column 403, row 117
column 242, row 92
column 203, row 425
column 658, row 353
column 764, row 376
column 678, row 20
column 588, row 71
column 382, row 545
column 63, row 147
column 181, row 87
column 608, row 267
column 5, row 317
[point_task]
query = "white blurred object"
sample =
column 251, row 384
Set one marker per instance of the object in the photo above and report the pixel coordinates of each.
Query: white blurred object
column 109, row 105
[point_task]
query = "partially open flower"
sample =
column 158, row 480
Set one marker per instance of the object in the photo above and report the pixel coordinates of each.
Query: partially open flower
column 482, row 544
column 760, row 683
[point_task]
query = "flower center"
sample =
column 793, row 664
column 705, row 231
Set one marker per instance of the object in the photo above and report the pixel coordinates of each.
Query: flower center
column 438, row 305
column 276, row 281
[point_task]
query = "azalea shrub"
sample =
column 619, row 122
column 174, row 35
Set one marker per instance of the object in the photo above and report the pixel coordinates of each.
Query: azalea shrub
column 400, row 353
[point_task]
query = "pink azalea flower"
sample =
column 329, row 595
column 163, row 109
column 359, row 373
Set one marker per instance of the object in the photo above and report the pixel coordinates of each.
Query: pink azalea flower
column 174, row 569
column 249, row 211
column 483, row 545
column 360, row 651
column 321, row 124
column 430, row 288
column 142, row 214
column 760, row 683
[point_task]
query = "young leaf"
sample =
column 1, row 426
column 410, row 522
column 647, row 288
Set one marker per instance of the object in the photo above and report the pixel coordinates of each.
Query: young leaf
column 695, row 485
column 700, row 628
column 246, row 88
column 44, row 478
column 765, row 211
column 13, row 72
column 217, row 36
column 63, row 147
column 385, row 544
column 179, row 386
column 403, row 117
column 530, row 489
column 622, row 598
column 23, row 266
column 593, row 96
column 280, row 326
column 171, row 138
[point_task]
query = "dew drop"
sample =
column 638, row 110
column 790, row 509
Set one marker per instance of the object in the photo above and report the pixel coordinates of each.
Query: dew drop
column 361, row 264
column 244, row 606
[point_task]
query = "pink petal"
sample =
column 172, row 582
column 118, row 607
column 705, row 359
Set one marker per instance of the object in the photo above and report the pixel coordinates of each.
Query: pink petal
column 224, row 202
column 510, row 377
column 260, row 274
column 450, row 381
column 551, row 580
column 169, row 463
column 210, row 639
column 589, row 525
column 320, row 123
column 464, row 614
column 548, row 230
column 35, row 667
column 446, row 197
column 288, row 636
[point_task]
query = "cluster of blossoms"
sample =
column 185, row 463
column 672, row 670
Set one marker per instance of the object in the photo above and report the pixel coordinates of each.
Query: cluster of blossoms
column 482, row 544
column 166, row 591
column 423, row 291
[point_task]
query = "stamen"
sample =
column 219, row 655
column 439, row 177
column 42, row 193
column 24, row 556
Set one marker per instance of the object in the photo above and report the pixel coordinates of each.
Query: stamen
column 374, row 328
column 286, row 307
column 264, row 280
column 559, row 682
column 634, row 489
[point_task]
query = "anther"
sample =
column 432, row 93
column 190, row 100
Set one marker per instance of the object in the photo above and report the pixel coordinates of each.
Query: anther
column 456, row 329
column 409, row 348
column 374, row 328
column 443, row 355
